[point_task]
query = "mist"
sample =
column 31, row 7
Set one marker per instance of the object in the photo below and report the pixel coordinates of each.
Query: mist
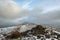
column 12, row 13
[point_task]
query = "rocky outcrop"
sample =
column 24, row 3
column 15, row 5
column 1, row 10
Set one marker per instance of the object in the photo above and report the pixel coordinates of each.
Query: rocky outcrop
column 34, row 31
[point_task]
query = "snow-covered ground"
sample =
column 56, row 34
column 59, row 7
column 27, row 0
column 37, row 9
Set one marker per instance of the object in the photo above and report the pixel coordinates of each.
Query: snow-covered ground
column 7, row 30
column 35, row 38
column 23, row 28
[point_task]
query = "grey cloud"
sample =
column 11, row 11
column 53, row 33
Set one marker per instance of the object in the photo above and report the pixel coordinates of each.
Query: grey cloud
column 50, row 17
column 53, row 14
column 9, row 9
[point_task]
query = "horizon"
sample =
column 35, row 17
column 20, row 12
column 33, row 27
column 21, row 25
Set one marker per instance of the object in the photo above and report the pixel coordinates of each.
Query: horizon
column 13, row 12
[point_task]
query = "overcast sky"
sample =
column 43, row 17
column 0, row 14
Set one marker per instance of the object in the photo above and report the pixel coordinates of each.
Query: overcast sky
column 36, row 11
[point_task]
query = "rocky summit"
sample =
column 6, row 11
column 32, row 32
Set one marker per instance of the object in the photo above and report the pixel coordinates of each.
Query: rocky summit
column 29, row 32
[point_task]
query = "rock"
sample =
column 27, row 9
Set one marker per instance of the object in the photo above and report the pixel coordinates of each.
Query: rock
column 14, row 34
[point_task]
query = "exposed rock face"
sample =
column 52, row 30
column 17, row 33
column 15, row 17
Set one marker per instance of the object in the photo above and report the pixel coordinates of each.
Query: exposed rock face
column 38, row 30
column 34, row 31
column 30, row 31
column 25, row 30
column 14, row 34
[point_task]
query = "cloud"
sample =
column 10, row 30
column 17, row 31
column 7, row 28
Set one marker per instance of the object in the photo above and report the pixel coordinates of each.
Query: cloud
column 9, row 9
column 9, row 12
column 52, row 14
column 38, row 16
column 27, row 5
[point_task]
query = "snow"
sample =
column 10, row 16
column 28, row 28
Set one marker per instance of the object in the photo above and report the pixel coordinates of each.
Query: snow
column 26, row 27
column 34, row 38
column 7, row 30
column 22, row 28
column 56, row 32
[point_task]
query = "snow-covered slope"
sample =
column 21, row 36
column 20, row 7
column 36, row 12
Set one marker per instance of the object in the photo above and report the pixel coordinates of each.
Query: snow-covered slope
column 20, row 28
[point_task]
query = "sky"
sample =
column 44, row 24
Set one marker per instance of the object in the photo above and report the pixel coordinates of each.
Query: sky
column 13, row 12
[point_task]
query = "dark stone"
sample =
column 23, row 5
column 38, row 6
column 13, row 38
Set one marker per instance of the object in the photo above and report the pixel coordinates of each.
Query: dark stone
column 52, row 39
